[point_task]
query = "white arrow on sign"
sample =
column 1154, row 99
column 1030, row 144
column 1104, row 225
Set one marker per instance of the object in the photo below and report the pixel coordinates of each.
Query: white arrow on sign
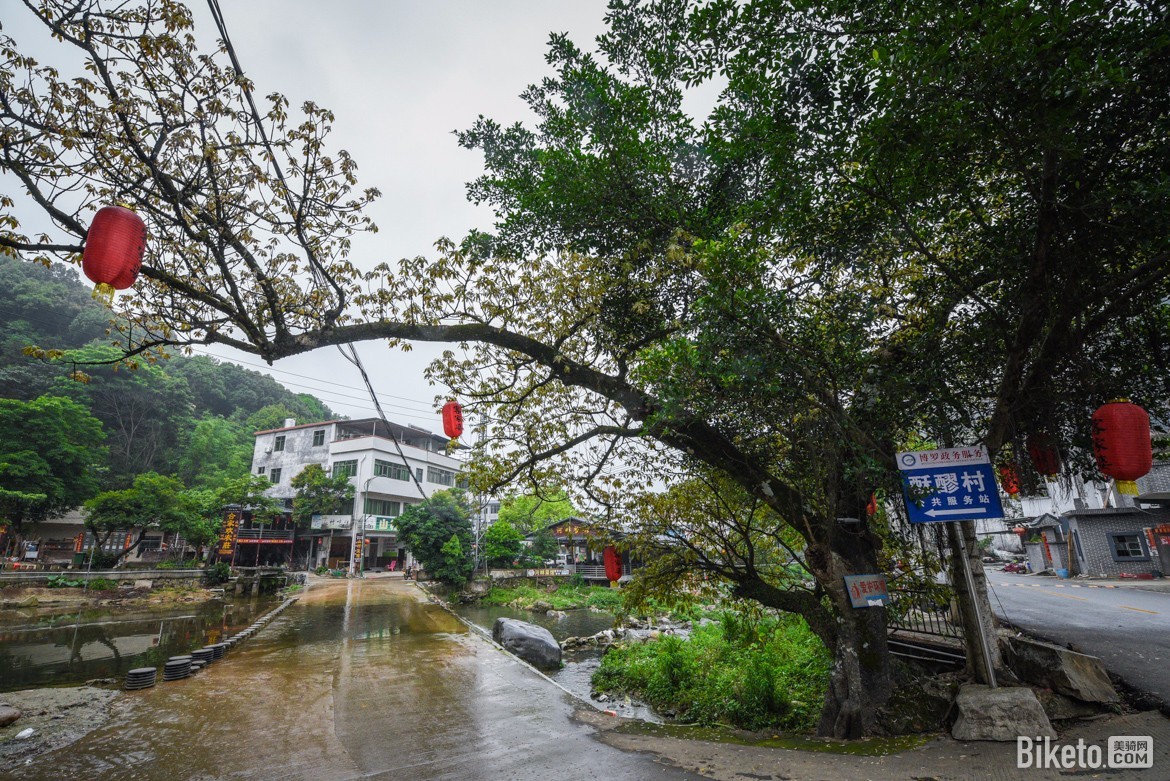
column 962, row 511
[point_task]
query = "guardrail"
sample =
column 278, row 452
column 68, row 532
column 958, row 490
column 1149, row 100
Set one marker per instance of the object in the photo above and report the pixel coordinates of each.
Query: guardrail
column 921, row 612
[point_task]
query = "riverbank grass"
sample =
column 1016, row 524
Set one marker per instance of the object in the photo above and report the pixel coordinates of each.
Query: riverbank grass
column 769, row 674
column 566, row 597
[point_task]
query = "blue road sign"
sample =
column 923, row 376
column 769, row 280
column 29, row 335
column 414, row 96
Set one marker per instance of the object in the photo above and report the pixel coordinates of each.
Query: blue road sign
column 956, row 484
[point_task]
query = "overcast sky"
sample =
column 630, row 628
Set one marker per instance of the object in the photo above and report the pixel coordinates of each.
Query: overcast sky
column 400, row 76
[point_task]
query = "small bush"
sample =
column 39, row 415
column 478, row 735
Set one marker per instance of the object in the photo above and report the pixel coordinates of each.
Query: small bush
column 104, row 560
column 217, row 573
column 566, row 597
column 61, row 581
column 102, row 584
column 322, row 570
column 174, row 564
column 755, row 674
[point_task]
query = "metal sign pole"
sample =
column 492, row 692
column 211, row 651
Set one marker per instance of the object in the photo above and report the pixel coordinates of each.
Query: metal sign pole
column 974, row 601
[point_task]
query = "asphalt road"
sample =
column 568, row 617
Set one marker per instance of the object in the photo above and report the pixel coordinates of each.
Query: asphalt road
column 1127, row 628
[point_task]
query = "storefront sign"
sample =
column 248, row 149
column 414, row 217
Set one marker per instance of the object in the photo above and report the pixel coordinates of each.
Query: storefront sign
column 262, row 541
column 380, row 523
column 231, row 530
column 544, row 573
column 331, row 522
column 867, row 590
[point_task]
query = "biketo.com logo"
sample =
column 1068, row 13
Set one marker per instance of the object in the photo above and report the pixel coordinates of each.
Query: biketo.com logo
column 1122, row 751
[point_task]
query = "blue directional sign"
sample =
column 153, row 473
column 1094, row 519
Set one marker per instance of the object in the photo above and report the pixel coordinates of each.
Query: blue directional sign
column 956, row 484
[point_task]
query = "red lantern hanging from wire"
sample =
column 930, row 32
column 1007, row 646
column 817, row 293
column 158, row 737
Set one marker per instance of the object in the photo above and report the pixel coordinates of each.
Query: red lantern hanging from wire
column 1045, row 455
column 453, row 419
column 114, row 247
column 1121, row 443
column 1009, row 478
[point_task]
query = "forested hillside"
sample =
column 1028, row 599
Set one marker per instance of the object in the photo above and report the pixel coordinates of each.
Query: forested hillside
column 188, row 417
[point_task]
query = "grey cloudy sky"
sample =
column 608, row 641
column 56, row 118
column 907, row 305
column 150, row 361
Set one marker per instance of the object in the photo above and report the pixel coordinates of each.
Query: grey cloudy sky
column 400, row 76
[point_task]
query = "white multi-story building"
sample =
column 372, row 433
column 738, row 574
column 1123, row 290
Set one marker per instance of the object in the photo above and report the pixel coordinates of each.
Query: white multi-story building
column 391, row 466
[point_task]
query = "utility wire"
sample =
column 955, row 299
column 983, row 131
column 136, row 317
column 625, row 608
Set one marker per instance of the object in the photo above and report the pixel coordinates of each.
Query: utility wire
column 347, row 350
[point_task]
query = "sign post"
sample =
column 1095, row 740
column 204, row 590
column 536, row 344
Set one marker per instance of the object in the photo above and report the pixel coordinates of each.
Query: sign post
column 953, row 485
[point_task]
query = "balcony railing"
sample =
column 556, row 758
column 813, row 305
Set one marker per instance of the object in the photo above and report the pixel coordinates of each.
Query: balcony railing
column 594, row 571
column 266, row 534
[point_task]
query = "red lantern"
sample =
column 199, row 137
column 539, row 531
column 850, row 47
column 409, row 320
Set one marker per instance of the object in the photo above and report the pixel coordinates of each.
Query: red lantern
column 1009, row 479
column 1121, row 443
column 613, row 563
column 113, row 249
column 453, row 419
column 1044, row 453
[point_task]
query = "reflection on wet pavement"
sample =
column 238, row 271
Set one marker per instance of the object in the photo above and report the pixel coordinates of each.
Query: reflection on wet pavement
column 357, row 680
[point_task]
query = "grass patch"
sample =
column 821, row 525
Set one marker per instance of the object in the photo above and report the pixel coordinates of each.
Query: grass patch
column 566, row 597
column 766, row 674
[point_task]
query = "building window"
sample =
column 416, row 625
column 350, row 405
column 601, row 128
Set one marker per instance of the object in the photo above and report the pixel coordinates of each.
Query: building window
column 391, row 470
column 274, row 475
column 1127, row 547
column 440, row 476
column 260, row 470
column 278, row 443
column 345, row 468
column 418, row 474
column 382, row 507
column 319, row 438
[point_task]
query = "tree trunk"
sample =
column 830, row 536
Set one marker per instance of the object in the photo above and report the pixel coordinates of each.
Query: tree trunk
column 860, row 683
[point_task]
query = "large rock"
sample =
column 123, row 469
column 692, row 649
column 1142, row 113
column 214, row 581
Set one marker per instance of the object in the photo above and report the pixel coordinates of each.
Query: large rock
column 999, row 714
column 8, row 714
column 1075, row 675
column 534, row 644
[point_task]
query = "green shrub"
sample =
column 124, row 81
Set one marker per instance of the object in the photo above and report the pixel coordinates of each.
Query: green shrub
column 566, row 597
column 61, row 581
column 217, row 573
column 755, row 674
column 174, row 564
column 102, row 584
column 104, row 560
column 322, row 570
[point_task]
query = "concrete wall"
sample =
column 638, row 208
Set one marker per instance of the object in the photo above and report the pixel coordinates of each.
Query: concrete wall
column 171, row 577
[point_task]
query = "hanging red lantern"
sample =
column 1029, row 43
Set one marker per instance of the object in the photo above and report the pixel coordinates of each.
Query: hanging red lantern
column 871, row 505
column 1009, row 478
column 113, row 249
column 1121, row 443
column 613, row 563
column 453, row 419
column 1045, row 454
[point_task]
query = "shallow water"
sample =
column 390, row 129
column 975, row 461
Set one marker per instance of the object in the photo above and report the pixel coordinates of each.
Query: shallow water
column 52, row 649
column 359, row 679
column 577, row 674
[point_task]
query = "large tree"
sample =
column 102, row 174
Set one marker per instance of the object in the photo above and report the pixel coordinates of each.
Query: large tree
column 154, row 501
column 51, row 455
column 319, row 493
column 899, row 221
column 438, row 533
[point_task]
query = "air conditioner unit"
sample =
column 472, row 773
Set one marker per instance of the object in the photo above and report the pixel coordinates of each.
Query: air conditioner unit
column 268, row 450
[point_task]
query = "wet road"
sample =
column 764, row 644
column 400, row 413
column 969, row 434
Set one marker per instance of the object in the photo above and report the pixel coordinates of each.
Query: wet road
column 359, row 679
column 1126, row 628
